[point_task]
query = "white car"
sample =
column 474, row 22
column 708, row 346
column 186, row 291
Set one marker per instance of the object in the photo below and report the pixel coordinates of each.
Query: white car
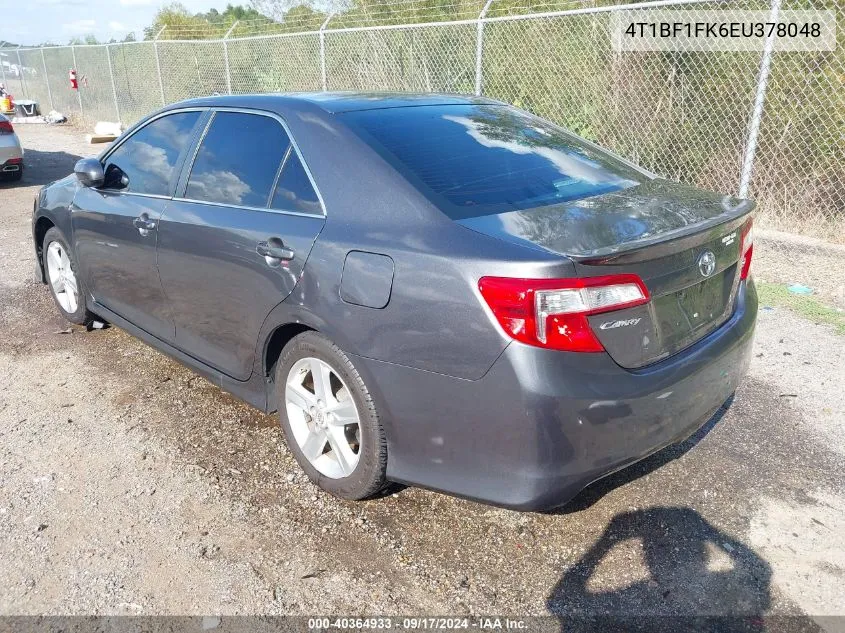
column 11, row 152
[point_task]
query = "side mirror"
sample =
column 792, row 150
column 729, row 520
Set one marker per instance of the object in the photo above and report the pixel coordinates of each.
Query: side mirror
column 115, row 178
column 89, row 172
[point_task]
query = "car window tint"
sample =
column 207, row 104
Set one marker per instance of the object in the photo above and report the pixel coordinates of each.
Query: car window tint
column 475, row 160
column 238, row 160
column 294, row 191
column 149, row 156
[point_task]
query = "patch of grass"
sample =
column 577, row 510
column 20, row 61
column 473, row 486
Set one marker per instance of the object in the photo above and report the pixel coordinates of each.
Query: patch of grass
column 806, row 306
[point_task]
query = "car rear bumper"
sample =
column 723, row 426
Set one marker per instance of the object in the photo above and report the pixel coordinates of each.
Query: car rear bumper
column 541, row 425
column 10, row 151
column 11, row 166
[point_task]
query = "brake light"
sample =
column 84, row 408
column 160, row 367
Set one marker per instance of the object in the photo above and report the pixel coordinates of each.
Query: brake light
column 553, row 313
column 747, row 246
column 6, row 128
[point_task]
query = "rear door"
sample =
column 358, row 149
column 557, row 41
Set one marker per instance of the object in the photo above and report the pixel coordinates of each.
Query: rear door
column 115, row 227
column 233, row 244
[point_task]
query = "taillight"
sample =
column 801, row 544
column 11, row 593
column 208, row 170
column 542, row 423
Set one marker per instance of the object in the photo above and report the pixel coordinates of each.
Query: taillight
column 6, row 128
column 553, row 313
column 747, row 246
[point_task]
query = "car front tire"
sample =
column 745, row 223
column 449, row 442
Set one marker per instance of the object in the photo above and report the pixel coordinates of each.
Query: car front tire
column 62, row 276
column 329, row 418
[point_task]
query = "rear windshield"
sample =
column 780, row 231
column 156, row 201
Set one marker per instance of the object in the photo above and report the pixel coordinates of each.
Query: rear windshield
column 475, row 160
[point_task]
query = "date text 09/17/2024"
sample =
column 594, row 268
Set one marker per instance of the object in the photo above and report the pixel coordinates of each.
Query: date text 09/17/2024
column 417, row 623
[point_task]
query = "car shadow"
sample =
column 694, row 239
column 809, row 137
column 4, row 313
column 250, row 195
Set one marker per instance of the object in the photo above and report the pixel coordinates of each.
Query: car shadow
column 41, row 168
column 678, row 571
column 598, row 489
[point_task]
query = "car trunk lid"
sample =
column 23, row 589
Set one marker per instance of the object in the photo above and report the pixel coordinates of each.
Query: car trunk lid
column 684, row 243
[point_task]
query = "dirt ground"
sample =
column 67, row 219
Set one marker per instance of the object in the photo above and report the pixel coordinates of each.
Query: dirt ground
column 129, row 485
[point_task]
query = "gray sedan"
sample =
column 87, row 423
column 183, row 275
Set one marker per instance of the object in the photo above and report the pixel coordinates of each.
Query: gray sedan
column 11, row 152
column 433, row 290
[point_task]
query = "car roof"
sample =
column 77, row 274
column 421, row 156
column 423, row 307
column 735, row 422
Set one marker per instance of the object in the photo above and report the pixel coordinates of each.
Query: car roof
column 335, row 102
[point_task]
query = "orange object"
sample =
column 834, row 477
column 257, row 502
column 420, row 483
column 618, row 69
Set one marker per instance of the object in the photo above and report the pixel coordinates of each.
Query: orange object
column 72, row 76
column 6, row 104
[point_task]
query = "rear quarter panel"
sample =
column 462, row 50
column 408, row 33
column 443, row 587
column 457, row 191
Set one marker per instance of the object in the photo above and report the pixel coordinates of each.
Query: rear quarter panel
column 10, row 147
column 435, row 319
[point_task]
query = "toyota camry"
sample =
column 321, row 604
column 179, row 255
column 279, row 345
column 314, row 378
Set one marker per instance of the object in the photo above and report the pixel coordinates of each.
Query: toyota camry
column 434, row 290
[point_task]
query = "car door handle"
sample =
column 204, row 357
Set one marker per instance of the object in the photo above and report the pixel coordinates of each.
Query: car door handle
column 274, row 251
column 144, row 224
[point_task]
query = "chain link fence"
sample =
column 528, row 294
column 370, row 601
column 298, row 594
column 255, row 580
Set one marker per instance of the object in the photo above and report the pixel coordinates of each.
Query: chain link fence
column 688, row 116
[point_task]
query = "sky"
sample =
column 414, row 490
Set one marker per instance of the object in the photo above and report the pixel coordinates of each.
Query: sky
column 31, row 22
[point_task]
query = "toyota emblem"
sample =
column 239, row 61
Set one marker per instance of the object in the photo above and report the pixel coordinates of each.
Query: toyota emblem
column 707, row 263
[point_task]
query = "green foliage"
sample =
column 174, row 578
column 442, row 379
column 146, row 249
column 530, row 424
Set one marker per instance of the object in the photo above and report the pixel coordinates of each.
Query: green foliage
column 86, row 39
column 179, row 23
column 806, row 306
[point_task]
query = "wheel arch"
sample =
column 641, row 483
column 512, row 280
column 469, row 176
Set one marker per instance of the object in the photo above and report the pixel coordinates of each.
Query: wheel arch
column 276, row 342
column 39, row 231
column 289, row 318
column 276, row 339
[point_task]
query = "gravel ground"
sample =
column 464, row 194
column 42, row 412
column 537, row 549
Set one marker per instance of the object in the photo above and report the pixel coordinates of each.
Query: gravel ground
column 132, row 486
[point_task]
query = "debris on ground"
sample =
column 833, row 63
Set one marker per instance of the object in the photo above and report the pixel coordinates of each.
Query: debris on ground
column 93, row 139
column 54, row 117
column 106, row 128
column 105, row 132
column 20, row 120
column 800, row 289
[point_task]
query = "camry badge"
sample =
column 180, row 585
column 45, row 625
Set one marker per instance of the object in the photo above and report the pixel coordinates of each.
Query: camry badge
column 707, row 263
column 612, row 325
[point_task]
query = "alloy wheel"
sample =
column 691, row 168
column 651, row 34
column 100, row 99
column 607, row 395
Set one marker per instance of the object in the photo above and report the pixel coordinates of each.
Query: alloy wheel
column 323, row 417
column 62, row 278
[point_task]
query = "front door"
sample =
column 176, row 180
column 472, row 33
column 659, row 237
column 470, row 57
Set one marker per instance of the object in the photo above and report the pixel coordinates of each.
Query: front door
column 234, row 246
column 115, row 227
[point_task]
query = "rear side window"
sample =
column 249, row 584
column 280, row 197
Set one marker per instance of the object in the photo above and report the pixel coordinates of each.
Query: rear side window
column 149, row 156
column 475, row 160
column 294, row 191
column 238, row 160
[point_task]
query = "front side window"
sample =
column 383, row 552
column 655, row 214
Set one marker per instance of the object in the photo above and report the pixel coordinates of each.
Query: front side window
column 238, row 160
column 148, row 158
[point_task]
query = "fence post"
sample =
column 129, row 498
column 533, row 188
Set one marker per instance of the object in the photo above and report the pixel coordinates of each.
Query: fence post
column 226, row 57
column 759, row 101
column 78, row 89
column 113, row 85
column 22, row 73
column 47, row 80
column 479, row 46
column 2, row 69
column 158, row 65
column 323, row 80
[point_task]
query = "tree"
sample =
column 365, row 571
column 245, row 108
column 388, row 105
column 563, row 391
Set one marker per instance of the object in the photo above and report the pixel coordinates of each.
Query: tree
column 179, row 23
column 86, row 39
column 279, row 9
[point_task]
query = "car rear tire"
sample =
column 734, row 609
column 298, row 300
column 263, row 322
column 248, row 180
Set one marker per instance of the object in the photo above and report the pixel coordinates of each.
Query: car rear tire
column 60, row 269
column 329, row 419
